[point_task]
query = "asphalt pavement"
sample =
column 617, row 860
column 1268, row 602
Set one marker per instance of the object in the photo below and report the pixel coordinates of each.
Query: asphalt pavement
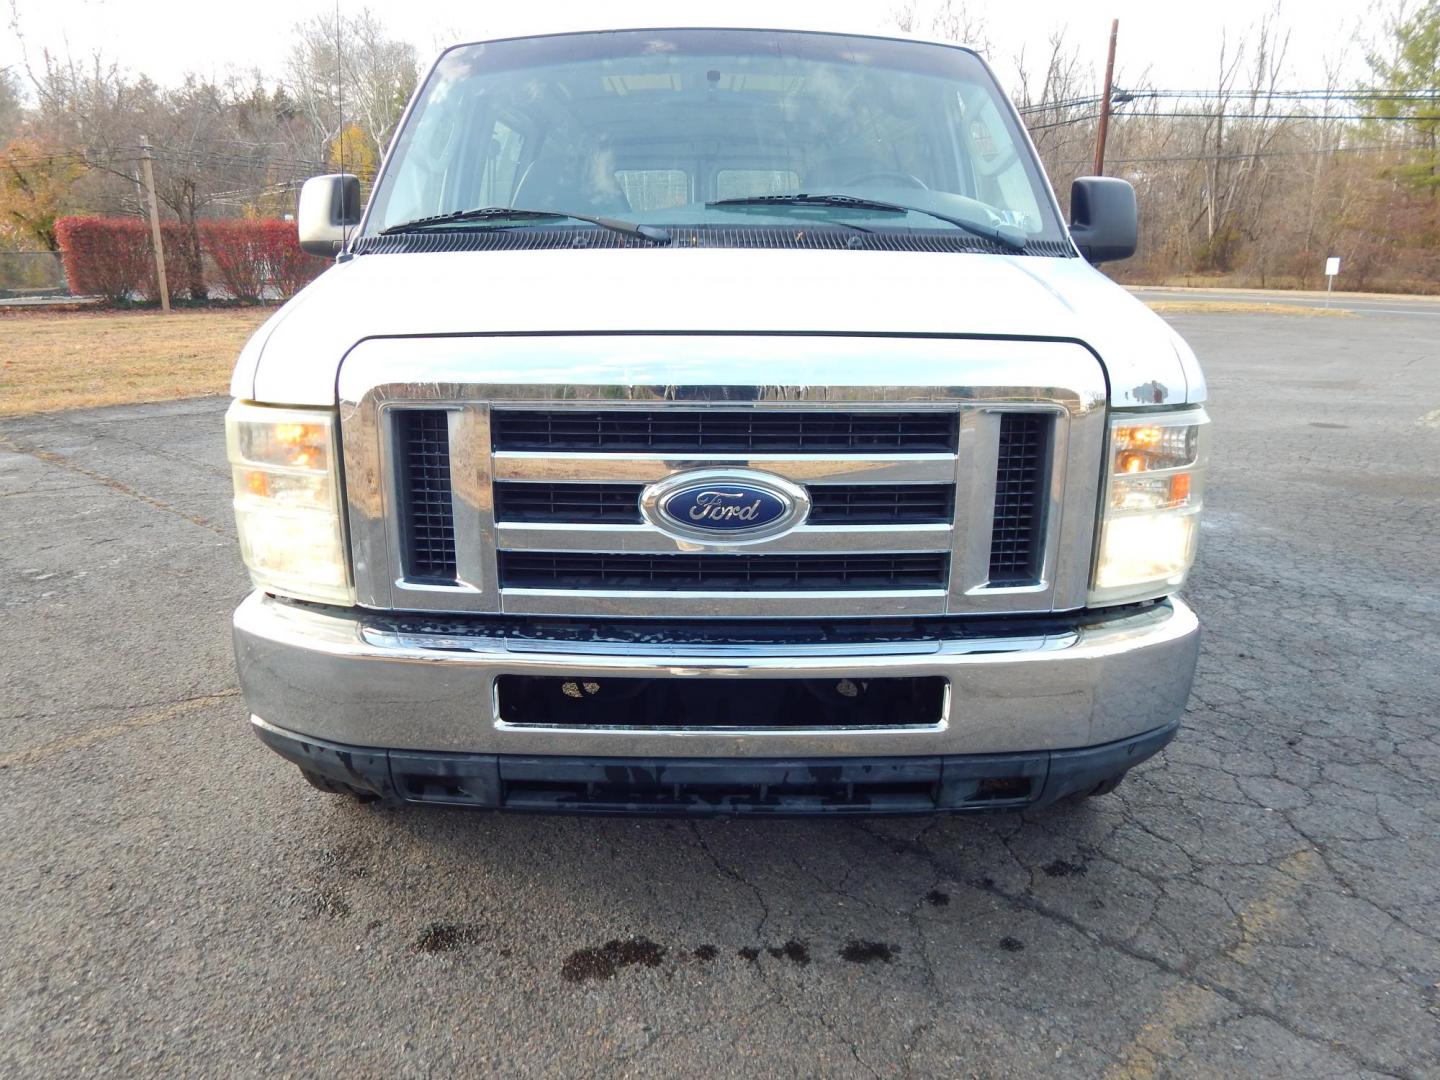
column 1259, row 900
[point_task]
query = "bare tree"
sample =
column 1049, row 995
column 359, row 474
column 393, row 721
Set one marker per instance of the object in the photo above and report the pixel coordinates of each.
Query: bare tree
column 348, row 73
column 944, row 20
column 1237, row 173
column 1056, row 98
column 10, row 104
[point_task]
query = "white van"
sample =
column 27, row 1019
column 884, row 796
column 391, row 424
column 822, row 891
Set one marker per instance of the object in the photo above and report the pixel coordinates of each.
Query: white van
column 716, row 421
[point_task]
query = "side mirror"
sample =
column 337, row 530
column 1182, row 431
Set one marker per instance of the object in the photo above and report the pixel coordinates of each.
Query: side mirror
column 329, row 205
column 1104, row 222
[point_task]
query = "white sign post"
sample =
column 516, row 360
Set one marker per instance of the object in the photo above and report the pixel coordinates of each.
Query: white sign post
column 1332, row 267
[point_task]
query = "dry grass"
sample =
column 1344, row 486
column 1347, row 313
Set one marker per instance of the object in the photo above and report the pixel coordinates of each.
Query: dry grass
column 1236, row 307
column 81, row 359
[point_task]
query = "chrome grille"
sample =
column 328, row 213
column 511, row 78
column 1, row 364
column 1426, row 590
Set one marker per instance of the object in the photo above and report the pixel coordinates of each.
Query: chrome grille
column 568, row 531
column 925, row 498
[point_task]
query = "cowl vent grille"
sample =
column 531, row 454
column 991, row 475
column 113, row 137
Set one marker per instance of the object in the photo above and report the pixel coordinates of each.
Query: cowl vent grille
column 808, row 237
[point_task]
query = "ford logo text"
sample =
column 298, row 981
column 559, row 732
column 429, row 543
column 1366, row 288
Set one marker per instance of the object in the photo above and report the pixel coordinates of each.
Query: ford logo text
column 725, row 506
column 723, row 510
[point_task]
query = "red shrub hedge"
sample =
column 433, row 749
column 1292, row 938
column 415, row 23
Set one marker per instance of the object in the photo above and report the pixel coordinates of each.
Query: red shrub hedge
column 290, row 268
column 250, row 260
column 237, row 250
column 107, row 257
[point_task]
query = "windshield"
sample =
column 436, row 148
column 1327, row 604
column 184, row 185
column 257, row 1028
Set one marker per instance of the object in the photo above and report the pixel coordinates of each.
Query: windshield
column 668, row 127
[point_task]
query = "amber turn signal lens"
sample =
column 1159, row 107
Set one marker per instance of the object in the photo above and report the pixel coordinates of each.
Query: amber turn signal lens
column 1147, row 438
column 304, row 441
column 256, row 483
column 295, row 434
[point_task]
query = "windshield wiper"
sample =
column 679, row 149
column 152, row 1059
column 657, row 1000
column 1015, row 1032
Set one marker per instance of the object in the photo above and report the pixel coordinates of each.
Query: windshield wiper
column 500, row 213
column 1010, row 236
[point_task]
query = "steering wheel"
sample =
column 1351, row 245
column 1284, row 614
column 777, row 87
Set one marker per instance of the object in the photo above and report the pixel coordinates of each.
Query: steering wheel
column 905, row 179
column 999, row 163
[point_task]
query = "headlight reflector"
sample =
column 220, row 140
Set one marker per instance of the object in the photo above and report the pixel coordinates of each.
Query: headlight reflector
column 287, row 506
column 1150, row 522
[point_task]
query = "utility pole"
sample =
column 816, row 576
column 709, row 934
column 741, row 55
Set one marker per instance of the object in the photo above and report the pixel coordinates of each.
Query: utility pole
column 155, row 240
column 1104, row 130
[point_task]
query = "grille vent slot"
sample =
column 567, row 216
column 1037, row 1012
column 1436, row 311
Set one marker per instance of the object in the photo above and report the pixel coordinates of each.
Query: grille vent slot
column 728, row 573
column 722, row 431
column 586, row 504
column 423, row 436
column 1017, row 537
column 881, row 504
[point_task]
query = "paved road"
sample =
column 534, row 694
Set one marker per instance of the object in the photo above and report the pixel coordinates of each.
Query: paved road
column 1259, row 901
column 1422, row 307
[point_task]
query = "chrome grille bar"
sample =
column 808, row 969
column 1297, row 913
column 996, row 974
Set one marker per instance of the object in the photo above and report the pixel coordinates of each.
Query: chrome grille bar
column 735, row 605
column 831, row 539
column 924, row 468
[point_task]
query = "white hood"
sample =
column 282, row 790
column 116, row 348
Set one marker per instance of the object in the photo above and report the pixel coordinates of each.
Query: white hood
column 293, row 359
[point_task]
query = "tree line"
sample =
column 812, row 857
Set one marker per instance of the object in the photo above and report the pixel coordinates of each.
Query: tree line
column 1252, row 182
column 1245, row 180
column 73, row 132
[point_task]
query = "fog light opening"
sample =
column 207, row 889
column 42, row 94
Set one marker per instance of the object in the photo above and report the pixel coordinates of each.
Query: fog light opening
column 1004, row 787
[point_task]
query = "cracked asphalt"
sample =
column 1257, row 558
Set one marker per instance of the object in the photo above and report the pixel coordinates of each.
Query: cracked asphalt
column 1259, row 900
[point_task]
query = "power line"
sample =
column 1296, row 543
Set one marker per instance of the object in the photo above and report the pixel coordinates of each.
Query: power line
column 1121, row 96
column 1365, row 94
column 1287, row 116
column 1360, row 96
column 1062, row 123
column 1160, row 159
column 1068, row 103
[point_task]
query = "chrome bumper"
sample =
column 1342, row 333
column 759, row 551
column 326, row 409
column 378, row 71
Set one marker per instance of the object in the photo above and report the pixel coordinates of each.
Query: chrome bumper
column 326, row 673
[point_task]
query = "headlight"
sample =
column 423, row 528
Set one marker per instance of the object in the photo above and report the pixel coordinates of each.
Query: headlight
column 1151, row 516
column 287, row 502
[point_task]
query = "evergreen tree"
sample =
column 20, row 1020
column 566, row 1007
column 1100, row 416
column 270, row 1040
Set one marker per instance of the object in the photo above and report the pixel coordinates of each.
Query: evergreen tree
column 1413, row 68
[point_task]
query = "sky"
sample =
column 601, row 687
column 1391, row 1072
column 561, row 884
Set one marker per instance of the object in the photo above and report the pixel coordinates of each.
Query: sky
column 1176, row 44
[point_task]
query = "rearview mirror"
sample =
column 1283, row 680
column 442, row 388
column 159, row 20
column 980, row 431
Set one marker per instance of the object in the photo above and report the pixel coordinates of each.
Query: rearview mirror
column 329, row 205
column 1104, row 222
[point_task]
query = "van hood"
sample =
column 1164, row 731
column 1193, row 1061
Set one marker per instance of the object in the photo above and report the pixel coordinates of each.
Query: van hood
column 294, row 358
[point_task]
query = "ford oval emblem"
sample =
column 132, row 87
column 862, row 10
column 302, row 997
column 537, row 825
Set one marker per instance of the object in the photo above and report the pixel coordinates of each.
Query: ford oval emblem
column 721, row 505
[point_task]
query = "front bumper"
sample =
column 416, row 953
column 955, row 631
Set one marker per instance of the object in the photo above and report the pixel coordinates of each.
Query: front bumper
column 349, row 678
column 974, row 783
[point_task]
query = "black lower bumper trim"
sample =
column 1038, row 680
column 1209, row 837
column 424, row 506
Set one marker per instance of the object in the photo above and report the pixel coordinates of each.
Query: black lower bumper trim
column 721, row 786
